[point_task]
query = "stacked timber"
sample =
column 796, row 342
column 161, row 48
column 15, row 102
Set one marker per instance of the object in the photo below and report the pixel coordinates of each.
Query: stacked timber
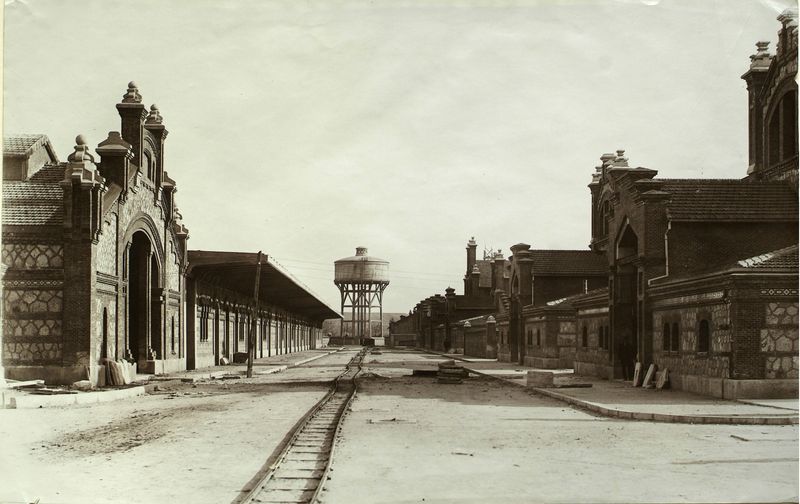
column 450, row 372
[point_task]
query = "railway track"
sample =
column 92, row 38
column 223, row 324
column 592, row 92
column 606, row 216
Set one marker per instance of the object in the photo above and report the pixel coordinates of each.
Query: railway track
column 301, row 468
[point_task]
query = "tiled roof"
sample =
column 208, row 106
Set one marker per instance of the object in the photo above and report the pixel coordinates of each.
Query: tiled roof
column 566, row 301
column 568, row 262
column 730, row 200
column 37, row 201
column 19, row 145
column 785, row 258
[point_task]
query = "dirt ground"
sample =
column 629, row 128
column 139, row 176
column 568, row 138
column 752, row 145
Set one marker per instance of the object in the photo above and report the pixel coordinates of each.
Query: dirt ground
column 205, row 442
column 407, row 439
column 414, row 440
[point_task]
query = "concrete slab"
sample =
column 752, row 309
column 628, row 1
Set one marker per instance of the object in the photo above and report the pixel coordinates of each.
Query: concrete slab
column 23, row 400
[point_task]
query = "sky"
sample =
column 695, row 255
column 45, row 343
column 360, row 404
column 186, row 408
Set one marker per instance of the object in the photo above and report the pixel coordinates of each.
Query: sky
column 307, row 128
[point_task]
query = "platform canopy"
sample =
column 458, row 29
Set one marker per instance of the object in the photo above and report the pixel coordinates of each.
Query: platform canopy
column 236, row 271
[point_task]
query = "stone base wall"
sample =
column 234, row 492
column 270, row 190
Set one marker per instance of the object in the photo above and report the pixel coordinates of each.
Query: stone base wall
column 52, row 375
column 735, row 389
column 548, row 363
column 604, row 371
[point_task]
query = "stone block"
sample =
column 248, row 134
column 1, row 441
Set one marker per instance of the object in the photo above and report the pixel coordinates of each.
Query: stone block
column 539, row 379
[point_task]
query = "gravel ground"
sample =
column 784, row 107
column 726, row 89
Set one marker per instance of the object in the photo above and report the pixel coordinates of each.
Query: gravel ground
column 185, row 443
column 414, row 440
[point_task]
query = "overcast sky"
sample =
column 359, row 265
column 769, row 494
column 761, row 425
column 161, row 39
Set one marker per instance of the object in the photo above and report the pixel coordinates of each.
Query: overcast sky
column 305, row 129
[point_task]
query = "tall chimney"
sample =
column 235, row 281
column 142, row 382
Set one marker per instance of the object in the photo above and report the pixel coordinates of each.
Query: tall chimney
column 133, row 113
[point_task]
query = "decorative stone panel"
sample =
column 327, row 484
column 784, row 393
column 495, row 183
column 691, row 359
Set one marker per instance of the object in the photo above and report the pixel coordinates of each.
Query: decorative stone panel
column 19, row 301
column 31, row 353
column 779, row 340
column 32, row 256
column 42, row 328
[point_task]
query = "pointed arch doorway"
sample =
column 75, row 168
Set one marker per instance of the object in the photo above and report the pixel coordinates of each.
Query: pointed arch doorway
column 145, row 340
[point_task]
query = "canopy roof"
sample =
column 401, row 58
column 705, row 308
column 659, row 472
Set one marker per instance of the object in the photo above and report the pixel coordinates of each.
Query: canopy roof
column 236, row 271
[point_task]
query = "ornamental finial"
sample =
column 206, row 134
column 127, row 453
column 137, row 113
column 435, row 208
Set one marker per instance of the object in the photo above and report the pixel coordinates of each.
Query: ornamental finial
column 154, row 117
column 81, row 152
column 132, row 96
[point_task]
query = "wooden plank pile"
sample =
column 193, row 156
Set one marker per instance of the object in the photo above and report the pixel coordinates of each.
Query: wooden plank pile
column 450, row 372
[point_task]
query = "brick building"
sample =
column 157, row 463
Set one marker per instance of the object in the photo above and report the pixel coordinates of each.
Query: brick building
column 696, row 276
column 536, row 278
column 703, row 273
column 94, row 259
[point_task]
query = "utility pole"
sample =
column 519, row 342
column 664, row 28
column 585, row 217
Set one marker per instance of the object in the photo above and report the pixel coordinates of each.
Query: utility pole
column 251, row 340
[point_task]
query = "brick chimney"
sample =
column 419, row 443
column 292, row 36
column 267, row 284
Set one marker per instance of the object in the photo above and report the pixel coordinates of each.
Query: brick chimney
column 133, row 113
column 498, row 265
column 472, row 247
column 475, row 280
column 755, row 78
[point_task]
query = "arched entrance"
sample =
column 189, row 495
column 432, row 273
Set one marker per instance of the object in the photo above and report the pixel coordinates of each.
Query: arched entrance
column 626, row 304
column 144, row 302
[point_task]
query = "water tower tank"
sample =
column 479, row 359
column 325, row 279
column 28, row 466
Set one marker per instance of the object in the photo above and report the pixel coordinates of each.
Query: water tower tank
column 361, row 280
column 361, row 268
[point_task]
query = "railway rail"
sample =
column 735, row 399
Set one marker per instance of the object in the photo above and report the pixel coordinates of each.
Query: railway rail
column 301, row 467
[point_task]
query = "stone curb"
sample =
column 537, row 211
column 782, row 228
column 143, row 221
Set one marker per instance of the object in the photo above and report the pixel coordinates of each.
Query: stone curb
column 650, row 417
column 27, row 401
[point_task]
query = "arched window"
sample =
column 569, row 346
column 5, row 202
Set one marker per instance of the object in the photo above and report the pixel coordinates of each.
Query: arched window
column 585, row 337
column 703, row 336
column 149, row 167
column 666, row 341
column 628, row 244
column 675, row 345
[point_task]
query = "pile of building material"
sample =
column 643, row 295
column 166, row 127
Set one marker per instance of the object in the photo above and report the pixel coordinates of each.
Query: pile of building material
column 450, row 372
column 115, row 373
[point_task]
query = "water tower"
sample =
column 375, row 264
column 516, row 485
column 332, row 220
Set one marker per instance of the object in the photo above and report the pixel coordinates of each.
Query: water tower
column 361, row 280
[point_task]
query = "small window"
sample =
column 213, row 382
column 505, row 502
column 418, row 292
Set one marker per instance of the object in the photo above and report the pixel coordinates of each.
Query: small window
column 585, row 337
column 538, row 338
column 666, row 337
column 703, row 336
column 607, row 338
column 675, row 344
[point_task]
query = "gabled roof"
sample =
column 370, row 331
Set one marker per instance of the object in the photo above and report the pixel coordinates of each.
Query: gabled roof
column 37, row 201
column 22, row 145
column 730, row 200
column 568, row 263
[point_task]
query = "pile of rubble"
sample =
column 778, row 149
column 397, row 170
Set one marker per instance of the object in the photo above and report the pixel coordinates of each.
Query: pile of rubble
column 450, row 372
